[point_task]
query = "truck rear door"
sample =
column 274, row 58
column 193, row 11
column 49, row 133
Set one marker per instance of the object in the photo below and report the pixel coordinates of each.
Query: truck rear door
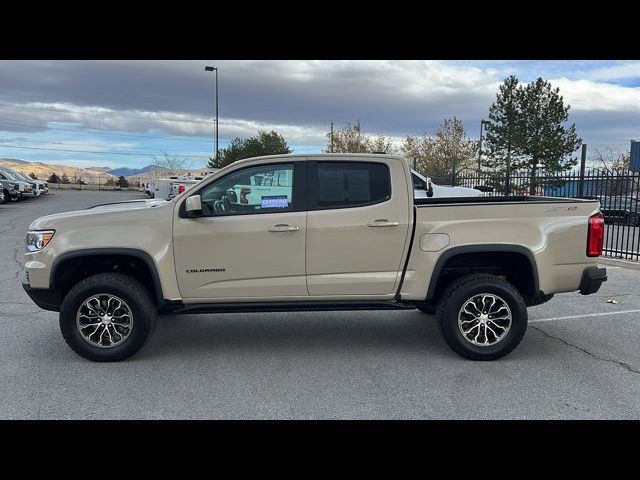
column 357, row 225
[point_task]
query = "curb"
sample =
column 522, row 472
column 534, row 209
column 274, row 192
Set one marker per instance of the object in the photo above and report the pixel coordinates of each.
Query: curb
column 619, row 263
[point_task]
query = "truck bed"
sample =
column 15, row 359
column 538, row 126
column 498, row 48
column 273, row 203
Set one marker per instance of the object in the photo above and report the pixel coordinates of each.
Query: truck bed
column 424, row 202
column 551, row 231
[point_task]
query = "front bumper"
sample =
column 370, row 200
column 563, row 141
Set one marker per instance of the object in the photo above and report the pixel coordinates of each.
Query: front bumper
column 44, row 298
column 592, row 279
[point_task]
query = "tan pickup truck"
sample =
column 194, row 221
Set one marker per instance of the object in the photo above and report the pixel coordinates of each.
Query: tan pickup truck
column 311, row 232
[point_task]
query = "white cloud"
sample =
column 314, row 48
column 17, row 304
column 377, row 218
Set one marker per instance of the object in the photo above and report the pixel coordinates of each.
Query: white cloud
column 616, row 72
column 597, row 96
column 299, row 98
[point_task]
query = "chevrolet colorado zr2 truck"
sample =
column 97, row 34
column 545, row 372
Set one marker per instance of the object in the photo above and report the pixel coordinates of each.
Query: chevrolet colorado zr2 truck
column 335, row 232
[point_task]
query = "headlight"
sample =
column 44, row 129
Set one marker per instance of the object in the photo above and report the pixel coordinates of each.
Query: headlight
column 37, row 240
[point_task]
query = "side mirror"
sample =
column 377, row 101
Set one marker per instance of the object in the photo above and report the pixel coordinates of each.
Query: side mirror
column 429, row 188
column 193, row 206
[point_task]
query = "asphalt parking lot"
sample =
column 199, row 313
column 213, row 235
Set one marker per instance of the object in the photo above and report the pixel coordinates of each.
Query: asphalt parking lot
column 578, row 360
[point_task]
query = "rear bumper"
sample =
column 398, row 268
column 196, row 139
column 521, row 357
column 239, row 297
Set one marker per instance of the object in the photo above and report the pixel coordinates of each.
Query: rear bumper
column 592, row 279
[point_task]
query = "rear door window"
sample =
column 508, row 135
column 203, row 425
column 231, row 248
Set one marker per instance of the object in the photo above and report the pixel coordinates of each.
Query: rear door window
column 352, row 184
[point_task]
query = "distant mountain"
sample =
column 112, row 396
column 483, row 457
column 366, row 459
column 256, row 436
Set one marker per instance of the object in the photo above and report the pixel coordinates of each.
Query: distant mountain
column 128, row 172
column 14, row 160
column 99, row 169
column 44, row 170
column 88, row 175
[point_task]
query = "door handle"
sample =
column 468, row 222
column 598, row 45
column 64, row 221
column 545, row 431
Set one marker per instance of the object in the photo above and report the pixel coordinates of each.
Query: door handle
column 283, row 228
column 382, row 223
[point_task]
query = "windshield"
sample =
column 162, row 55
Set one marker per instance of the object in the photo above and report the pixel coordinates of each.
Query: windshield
column 21, row 176
column 9, row 175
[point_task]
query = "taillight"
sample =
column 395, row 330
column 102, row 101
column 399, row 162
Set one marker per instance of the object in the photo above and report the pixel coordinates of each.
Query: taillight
column 595, row 237
column 243, row 195
column 181, row 189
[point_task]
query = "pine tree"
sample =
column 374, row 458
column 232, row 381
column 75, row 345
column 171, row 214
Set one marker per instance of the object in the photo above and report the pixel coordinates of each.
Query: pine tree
column 265, row 143
column 547, row 142
column 527, row 131
column 504, row 132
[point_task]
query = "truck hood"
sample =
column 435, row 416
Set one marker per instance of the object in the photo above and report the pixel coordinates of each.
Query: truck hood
column 129, row 204
column 96, row 213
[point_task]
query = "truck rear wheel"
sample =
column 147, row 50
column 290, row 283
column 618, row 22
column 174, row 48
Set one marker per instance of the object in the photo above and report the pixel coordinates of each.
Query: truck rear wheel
column 482, row 317
column 107, row 317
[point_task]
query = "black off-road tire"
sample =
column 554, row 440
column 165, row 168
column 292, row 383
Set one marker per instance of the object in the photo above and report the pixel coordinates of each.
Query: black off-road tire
column 6, row 196
column 128, row 289
column 463, row 289
column 538, row 299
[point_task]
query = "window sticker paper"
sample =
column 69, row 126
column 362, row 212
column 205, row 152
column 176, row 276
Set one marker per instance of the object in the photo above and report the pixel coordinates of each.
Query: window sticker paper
column 274, row 201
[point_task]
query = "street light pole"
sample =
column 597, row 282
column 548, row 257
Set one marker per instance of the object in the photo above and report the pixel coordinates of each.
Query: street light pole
column 215, row 69
column 482, row 122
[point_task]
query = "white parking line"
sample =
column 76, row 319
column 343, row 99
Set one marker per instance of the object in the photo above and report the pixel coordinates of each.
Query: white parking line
column 569, row 317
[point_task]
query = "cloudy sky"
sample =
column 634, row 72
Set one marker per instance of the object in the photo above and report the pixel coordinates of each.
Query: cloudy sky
column 122, row 113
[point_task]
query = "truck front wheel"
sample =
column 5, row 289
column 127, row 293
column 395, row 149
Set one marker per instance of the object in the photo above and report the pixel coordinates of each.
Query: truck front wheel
column 482, row 317
column 107, row 317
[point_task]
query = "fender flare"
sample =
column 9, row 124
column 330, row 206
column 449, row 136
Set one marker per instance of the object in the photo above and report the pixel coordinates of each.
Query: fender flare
column 480, row 248
column 132, row 252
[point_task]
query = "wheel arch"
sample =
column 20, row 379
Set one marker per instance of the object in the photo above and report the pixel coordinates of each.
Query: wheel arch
column 122, row 253
column 466, row 250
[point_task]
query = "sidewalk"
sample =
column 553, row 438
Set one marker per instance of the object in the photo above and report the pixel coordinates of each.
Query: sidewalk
column 615, row 262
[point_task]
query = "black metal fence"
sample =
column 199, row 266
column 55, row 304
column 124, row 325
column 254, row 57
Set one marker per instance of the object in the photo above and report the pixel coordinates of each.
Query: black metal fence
column 617, row 190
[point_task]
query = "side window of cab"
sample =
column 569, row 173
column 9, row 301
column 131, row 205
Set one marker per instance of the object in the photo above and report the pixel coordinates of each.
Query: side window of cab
column 251, row 190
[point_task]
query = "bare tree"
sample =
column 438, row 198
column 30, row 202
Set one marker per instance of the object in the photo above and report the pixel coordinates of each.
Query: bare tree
column 348, row 139
column 614, row 164
column 352, row 139
column 611, row 159
column 380, row 144
column 170, row 165
column 435, row 155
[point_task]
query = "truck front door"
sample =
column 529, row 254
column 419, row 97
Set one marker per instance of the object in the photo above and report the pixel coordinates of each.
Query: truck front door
column 249, row 242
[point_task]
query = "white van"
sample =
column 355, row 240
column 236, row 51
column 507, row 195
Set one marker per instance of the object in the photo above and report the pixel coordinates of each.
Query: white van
column 423, row 187
column 275, row 186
